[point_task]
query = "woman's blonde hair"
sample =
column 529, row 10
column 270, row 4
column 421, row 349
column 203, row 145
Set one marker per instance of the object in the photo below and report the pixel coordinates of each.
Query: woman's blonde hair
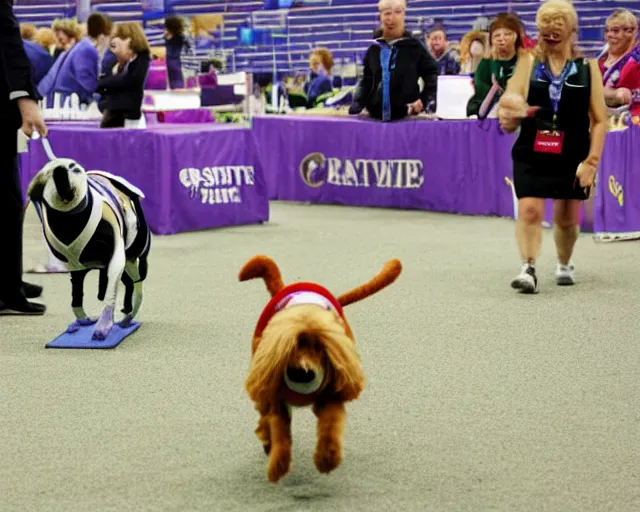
column 45, row 38
column 553, row 13
column 625, row 16
column 28, row 31
column 67, row 26
column 133, row 31
column 383, row 4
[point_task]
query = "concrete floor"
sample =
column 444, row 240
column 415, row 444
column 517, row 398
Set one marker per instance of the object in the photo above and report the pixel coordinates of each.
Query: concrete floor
column 478, row 398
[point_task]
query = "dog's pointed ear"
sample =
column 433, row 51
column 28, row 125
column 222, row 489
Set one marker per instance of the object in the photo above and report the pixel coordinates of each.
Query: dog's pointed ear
column 266, row 268
column 35, row 192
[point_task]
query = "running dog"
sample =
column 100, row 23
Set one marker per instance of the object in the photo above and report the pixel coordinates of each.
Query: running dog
column 304, row 354
column 94, row 220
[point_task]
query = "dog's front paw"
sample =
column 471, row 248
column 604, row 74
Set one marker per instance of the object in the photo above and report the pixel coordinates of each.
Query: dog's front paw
column 78, row 324
column 328, row 455
column 101, row 334
column 104, row 325
column 279, row 464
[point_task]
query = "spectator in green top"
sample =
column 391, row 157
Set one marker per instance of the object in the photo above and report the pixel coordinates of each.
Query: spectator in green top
column 491, row 76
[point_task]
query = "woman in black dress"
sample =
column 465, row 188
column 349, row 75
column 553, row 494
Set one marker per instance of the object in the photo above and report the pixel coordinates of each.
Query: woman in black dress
column 556, row 97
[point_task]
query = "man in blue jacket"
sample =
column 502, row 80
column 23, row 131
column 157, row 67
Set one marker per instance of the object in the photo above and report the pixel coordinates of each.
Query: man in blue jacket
column 76, row 70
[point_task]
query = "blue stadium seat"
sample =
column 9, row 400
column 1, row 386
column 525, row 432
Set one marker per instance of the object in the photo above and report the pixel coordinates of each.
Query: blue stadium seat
column 344, row 26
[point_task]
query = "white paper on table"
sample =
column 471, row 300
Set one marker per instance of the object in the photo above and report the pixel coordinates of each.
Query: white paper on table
column 138, row 124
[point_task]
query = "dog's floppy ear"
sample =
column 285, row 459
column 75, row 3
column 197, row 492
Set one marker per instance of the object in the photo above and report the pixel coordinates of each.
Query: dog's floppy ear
column 385, row 277
column 266, row 268
column 35, row 192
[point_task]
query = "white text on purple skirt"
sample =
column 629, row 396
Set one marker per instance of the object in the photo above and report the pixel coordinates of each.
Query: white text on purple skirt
column 217, row 185
column 316, row 169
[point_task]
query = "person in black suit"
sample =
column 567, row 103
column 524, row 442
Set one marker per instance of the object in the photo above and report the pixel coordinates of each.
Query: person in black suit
column 18, row 109
column 121, row 92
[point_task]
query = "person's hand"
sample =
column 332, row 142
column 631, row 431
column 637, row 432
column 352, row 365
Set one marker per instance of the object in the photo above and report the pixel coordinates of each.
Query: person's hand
column 623, row 95
column 415, row 108
column 586, row 174
column 512, row 109
column 32, row 119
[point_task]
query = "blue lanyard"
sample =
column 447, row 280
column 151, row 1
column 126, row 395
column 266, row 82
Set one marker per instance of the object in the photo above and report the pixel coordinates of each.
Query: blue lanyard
column 556, row 84
column 387, row 63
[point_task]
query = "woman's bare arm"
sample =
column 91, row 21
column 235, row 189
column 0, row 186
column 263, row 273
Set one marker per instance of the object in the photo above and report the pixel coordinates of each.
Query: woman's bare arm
column 598, row 115
column 513, row 102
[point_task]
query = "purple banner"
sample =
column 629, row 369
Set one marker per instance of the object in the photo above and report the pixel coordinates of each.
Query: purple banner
column 618, row 187
column 457, row 167
column 446, row 166
column 194, row 177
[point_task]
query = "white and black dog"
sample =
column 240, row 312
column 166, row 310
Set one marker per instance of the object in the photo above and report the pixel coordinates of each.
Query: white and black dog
column 94, row 220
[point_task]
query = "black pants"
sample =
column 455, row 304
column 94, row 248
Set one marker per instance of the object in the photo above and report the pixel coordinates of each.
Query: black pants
column 11, row 217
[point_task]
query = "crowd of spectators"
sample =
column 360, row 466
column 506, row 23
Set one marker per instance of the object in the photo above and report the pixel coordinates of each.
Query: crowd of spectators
column 71, row 58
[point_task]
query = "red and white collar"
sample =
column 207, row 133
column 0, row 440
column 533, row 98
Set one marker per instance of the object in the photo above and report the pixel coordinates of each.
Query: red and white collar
column 296, row 294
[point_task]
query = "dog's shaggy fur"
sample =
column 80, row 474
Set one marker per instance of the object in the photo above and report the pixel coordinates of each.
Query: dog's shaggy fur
column 303, row 354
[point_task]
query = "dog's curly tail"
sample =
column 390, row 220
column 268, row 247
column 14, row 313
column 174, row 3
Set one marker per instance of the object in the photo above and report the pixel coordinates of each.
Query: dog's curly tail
column 385, row 277
column 266, row 268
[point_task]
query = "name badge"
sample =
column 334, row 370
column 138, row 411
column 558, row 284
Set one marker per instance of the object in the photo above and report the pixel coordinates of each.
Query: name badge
column 548, row 142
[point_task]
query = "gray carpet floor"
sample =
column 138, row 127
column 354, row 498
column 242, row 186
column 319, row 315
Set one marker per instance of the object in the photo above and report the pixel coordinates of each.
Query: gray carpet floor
column 477, row 399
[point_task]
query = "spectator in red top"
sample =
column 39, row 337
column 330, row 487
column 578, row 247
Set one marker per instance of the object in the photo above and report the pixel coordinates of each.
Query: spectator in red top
column 620, row 65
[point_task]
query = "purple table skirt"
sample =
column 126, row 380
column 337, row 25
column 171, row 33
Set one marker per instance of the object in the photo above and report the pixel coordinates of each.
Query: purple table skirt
column 194, row 177
column 446, row 166
column 199, row 176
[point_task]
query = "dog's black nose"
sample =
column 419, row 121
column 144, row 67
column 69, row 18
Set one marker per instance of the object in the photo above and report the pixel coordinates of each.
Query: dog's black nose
column 63, row 185
column 300, row 375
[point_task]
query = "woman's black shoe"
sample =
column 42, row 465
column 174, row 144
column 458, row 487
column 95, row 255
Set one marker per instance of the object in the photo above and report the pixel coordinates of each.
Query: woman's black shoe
column 22, row 308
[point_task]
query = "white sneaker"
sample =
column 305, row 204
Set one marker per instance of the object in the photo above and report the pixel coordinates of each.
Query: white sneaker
column 526, row 281
column 564, row 275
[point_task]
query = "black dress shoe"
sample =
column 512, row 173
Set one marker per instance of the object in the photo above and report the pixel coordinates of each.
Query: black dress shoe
column 31, row 291
column 22, row 308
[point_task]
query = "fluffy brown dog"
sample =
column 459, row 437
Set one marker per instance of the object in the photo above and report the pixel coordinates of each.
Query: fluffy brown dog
column 303, row 354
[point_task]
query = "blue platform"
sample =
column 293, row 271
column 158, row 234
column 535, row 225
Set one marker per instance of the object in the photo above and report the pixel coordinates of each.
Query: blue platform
column 82, row 337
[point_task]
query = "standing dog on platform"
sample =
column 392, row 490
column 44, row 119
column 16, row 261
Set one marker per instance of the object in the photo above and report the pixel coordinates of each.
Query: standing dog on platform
column 94, row 220
column 304, row 353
